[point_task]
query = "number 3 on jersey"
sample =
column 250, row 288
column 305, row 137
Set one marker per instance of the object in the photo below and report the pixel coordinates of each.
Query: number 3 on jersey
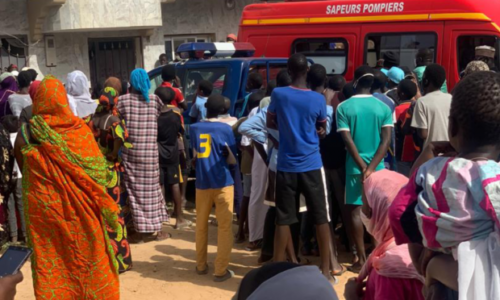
column 205, row 146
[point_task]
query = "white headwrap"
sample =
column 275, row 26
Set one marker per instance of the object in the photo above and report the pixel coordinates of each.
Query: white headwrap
column 79, row 98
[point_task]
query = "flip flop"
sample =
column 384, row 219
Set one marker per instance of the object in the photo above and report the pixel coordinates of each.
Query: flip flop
column 354, row 269
column 183, row 225
column 304, row 261
column 239, row 240
column 229, row 274
column 332, row 279
column 254, row 246
column 160, row 236
column 204, row 272
column 335, row 274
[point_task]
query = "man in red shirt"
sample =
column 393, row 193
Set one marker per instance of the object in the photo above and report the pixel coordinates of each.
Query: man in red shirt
column 168, row 75
column 405, row 147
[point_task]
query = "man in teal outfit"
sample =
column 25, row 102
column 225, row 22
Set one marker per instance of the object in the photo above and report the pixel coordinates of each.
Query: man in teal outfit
column 424, row 58
column 365, row 124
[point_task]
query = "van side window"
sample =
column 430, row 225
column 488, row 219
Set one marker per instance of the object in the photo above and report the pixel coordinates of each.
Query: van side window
column 274, row 69
column 466, row 49
column 217, row 76
column 404, row 44
column 331, row 53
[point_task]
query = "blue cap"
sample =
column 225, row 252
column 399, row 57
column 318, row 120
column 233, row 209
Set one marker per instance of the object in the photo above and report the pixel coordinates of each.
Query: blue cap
column 395, row 75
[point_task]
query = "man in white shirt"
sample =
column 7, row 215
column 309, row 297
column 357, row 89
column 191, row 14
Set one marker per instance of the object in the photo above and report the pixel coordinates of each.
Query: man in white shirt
column 430, row 117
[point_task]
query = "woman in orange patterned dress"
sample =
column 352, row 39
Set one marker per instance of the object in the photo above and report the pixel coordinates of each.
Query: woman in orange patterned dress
column 67, row 207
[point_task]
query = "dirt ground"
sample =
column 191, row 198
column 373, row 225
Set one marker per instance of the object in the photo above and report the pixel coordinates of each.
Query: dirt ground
column 166, row 270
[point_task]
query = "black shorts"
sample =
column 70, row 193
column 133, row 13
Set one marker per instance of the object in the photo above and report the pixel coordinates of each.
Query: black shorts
column 170, row 174
column 289, row 187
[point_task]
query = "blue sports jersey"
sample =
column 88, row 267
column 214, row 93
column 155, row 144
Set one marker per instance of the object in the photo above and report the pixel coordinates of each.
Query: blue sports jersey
column 209, row 139
column 297, row 113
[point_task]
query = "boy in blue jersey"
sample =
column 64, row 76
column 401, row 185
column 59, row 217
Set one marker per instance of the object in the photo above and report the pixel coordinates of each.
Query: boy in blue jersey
column 297, row 112
column 214, row 146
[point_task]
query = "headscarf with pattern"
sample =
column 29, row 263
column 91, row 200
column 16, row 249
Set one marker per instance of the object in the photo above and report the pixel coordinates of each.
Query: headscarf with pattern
column 476, row 66
column 114, row 83
column 108, row 100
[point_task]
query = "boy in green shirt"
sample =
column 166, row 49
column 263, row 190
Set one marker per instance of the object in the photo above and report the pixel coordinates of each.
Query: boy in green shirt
column 424, row 58
column 365, row 124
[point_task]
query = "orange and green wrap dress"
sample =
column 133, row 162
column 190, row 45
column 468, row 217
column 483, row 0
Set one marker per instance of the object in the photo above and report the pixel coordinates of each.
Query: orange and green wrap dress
column 67, row 207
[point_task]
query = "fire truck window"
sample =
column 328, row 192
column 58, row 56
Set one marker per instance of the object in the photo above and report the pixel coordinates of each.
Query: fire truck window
column 466, row 50
column 331, row 53
column 404, row 44
column 217, row 76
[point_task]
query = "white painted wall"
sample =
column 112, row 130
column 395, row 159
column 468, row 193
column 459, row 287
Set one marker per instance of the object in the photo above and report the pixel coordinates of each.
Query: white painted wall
column 105, row 15
column 179, row 18
column 202, row 16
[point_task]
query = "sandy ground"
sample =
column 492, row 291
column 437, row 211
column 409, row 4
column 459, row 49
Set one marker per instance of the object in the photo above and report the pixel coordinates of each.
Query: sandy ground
column 166, row 270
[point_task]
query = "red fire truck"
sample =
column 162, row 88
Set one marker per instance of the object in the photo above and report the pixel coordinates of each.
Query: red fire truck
column 345, row 34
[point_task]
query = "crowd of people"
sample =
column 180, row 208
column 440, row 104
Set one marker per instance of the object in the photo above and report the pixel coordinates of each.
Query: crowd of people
column 402, row 172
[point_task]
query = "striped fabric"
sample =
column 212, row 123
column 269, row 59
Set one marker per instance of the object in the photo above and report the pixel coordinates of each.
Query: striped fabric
column 459, row 201
column 142, row 174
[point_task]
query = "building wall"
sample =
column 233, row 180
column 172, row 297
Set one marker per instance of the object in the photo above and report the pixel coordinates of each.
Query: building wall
column 179, row 18
column 202, row 16
column 99, row 14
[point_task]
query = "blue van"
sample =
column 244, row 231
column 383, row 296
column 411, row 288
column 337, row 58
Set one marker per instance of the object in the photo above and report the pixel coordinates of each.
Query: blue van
column 205, row 61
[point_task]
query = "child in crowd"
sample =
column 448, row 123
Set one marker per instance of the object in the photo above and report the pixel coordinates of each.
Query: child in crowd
column 365, row 124
column 449, row 212
column 170, row 127
column 11, row 124
column 198, row 111
column 379, row 90
column 256, row 129
column 254, row 84
column 405, row 148
column 169, row 76
column 256, row 208
column 213, row 147
column 388, row 272
column 300, row 115
column 225, row 117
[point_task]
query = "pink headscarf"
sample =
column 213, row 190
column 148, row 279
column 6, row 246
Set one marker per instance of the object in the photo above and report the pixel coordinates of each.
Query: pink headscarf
column 387, row 259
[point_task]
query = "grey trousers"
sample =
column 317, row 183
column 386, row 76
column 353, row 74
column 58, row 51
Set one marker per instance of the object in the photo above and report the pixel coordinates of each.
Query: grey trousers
column 16, row 200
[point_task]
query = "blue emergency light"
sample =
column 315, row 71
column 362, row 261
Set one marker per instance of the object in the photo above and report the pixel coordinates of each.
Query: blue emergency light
column 211, row 50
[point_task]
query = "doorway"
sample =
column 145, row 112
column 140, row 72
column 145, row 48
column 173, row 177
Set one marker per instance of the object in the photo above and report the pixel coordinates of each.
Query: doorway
column 112, row 57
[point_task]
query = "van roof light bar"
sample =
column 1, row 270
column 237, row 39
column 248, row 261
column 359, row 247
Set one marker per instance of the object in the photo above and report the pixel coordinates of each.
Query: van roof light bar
column 213, row 50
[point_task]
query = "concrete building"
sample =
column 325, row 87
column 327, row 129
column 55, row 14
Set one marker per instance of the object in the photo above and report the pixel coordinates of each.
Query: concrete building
column 107, row 37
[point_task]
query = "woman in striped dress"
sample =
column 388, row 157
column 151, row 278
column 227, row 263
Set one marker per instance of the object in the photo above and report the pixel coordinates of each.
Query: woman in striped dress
column 142, row 174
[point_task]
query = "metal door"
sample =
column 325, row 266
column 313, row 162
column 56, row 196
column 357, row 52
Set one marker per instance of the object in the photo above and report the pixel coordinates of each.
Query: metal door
column 111, row 57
